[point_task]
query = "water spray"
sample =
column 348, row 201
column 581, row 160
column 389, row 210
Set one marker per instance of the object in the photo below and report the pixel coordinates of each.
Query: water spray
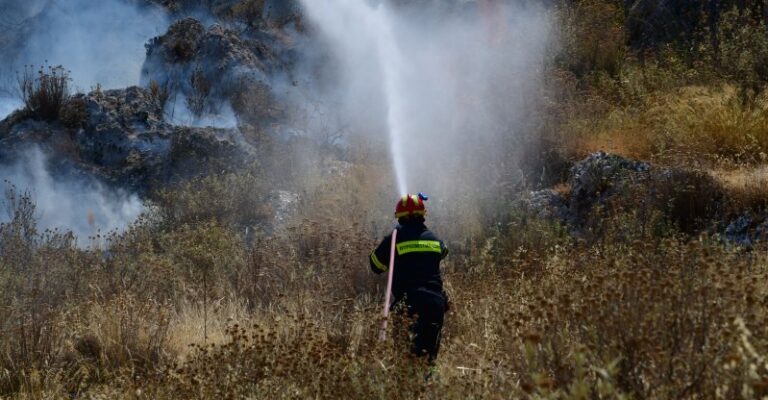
column 377, row 24
column 392, row 64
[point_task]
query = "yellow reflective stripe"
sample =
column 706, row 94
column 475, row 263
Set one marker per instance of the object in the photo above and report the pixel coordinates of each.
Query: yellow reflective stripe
column 415, row 212
column 405, row 200
column 376, row 262
column 421, row 246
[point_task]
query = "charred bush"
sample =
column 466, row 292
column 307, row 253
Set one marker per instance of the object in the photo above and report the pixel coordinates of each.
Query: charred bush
column 691, row 199
column 201, row 89
column 159, row 94
column 179, row 44
column 249, row 11
column 73, row 113
column 182, row 50
column 256, row 104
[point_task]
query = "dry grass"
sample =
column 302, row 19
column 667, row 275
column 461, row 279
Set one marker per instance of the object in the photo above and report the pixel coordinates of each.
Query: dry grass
column 633, row 314
column 747, row 186
column 190, row 324
column 693, row 122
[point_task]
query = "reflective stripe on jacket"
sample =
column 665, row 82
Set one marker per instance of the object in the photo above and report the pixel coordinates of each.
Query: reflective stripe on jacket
column 417, row 259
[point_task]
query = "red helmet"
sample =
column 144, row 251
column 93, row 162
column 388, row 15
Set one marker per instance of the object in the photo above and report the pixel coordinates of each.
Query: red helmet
column 410, row 204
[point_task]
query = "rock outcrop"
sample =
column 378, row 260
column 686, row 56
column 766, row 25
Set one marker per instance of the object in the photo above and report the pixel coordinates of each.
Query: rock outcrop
column 217, row 66
column 121, row 136
column 591, row 182
column 599, row 177
column 690, row 199
column 746, row 230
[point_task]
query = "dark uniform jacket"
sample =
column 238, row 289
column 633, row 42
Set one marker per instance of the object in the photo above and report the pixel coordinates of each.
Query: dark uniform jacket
column 417, row 260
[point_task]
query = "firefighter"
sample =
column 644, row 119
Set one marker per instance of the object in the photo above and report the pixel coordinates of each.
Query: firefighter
column 417, row 287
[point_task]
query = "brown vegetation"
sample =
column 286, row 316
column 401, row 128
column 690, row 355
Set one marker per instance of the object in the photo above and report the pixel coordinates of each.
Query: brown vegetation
column 44, row 91
column 637, row 313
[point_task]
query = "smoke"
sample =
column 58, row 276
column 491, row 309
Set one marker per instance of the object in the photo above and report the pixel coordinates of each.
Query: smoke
column 178, row 113
column 100, row 42
column 449, row 85
column 8, row 105
column 78, row 204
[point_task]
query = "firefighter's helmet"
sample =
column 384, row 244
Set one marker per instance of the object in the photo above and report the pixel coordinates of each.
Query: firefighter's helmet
column 411, row 204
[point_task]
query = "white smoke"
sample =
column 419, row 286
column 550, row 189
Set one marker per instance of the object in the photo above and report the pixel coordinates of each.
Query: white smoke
column 178, row 113
column 100, row 42
column 81, row 205
column 9, row 105
column 450, row 84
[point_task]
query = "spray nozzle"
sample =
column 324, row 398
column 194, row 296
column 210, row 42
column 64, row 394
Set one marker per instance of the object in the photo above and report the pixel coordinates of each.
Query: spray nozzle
column 423, row 196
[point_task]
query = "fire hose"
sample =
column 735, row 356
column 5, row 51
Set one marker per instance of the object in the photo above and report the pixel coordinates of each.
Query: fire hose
column 387, row 296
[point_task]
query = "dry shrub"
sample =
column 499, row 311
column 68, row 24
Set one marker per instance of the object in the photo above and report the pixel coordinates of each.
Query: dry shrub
column 691, row 123
column 67, row 319
column 255, row 104
column 74, row 113
column 661, row 312
column 159, row 94
column 710, row 122
column 248, row 11
column 182, row 50
column 200, row 85
column 743, row 52
column 689, row 199
column 240, row 199
column 44, row 91
column 32, row 266
column 746, row 187
column 700, row 95
column 191, row 322
column 108, row 338
column 330, row 261
column 294, row 357
column 593, row 37
column 207, row 255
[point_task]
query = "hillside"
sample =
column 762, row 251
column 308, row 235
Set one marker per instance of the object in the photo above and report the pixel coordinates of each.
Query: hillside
column 190, row 201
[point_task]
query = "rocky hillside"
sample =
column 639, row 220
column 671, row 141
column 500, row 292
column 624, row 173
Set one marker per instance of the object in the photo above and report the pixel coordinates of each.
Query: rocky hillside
column 122, row 136
column 145, row 137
